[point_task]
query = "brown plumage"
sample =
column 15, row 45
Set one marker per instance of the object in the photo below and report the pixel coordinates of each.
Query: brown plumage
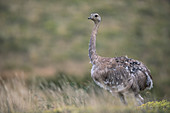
column 119, row 75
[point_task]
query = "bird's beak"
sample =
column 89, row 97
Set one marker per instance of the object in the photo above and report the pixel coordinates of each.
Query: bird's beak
column 89, row 17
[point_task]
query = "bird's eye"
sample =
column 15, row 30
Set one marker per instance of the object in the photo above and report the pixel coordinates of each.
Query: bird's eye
column 95, row 15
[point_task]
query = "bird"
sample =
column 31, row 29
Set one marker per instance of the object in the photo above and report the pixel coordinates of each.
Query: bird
column 119, row 75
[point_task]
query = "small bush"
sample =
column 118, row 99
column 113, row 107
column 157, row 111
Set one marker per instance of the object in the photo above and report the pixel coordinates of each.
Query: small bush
column 156, row 106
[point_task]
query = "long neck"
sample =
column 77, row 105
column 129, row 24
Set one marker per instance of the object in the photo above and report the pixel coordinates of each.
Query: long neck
column 92, row 45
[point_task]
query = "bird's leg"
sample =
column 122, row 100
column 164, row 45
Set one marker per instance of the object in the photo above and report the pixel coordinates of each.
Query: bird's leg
column 122, row 98
column 139, row 99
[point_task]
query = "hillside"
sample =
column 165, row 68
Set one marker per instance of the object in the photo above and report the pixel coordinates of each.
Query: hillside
column 46, row 38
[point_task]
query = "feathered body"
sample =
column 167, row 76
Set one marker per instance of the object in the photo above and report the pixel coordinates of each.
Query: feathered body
column 119, row 74
column 115, row 74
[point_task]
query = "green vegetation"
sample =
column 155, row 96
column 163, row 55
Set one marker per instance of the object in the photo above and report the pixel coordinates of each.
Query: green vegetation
column 152, row 107
column 42, row 40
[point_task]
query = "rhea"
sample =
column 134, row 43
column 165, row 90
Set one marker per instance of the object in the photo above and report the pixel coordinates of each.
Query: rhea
column 119, row 75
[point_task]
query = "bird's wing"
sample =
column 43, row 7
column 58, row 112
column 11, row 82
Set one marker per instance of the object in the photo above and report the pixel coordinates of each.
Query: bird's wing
column 137, row 69
column 118, row 79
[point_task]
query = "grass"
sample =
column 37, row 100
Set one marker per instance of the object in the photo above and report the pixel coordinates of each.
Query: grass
column 66, row 96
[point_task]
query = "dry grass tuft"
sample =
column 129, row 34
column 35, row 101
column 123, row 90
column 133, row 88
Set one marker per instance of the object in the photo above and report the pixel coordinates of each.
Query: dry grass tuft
column 17, row 95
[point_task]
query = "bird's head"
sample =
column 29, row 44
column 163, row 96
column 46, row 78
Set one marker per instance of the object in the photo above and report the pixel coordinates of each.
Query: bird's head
column 95, row 17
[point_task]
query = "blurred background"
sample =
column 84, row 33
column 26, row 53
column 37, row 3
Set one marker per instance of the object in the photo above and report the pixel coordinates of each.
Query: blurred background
column 48, row 38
